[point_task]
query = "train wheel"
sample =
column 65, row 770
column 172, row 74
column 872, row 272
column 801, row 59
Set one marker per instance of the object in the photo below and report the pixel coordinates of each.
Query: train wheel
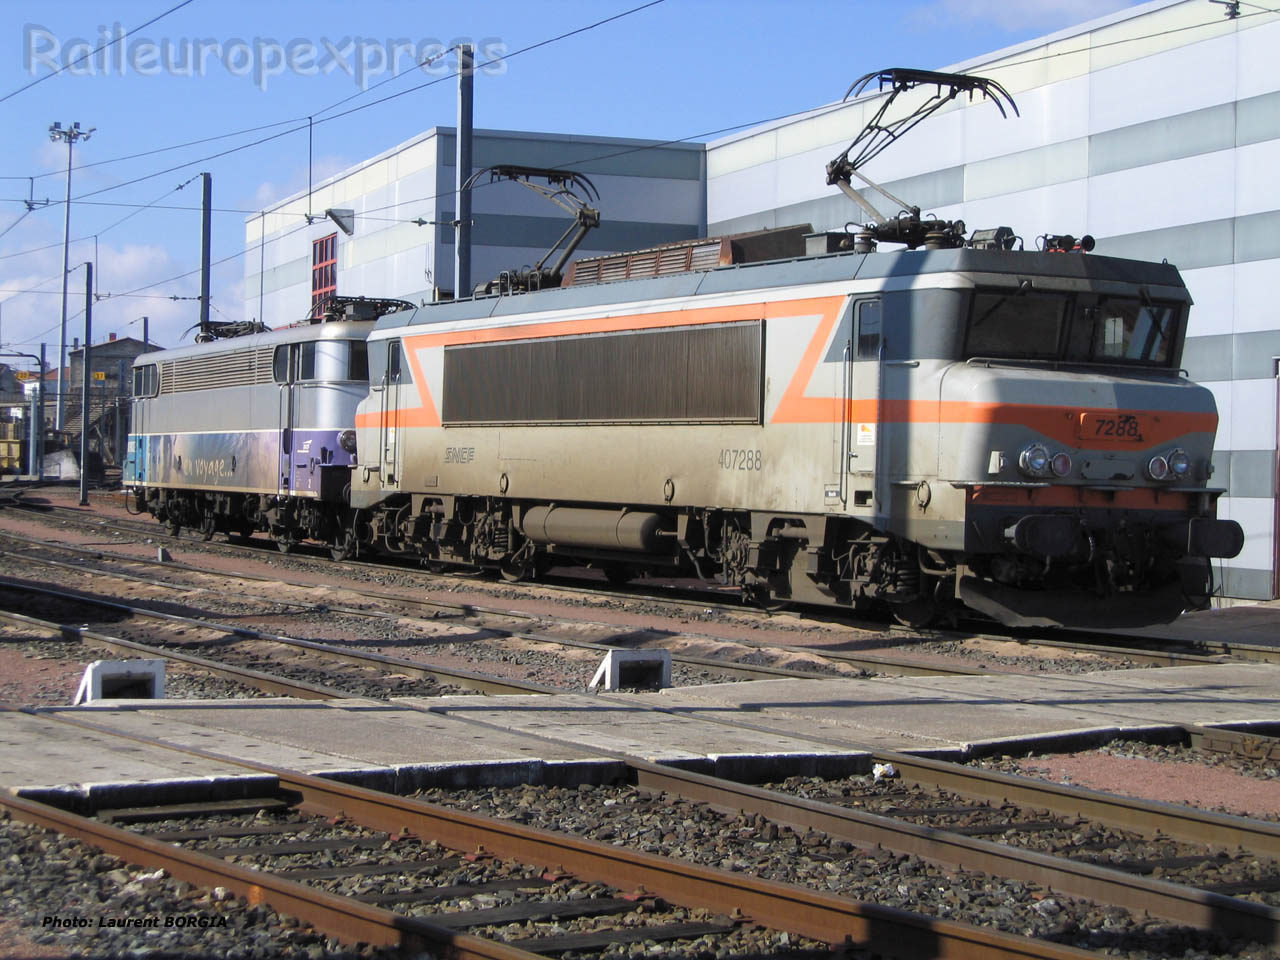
column 285, row 543
column 343, row 546
column 922, row 610
column 514, row 571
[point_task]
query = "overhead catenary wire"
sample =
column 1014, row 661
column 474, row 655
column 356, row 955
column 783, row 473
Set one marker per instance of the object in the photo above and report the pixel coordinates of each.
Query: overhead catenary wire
column 629, row 150
column 114, row 40
column 304, row 123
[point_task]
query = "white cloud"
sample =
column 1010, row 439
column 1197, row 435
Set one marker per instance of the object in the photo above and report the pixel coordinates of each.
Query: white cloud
column 30, row 318
column 1010, row 16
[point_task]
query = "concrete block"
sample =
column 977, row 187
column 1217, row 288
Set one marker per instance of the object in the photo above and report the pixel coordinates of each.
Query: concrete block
column 121, row 680
column 163, row 555
column 634, row 669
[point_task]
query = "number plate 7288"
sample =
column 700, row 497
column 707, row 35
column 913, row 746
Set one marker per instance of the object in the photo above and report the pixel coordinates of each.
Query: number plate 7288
column 1112, row 428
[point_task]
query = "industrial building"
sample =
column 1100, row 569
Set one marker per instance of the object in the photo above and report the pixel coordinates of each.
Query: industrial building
column 1156, row 130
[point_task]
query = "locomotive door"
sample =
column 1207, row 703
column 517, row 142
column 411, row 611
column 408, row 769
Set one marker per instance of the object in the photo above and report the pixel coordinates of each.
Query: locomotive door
column 865, row 381
column 283, row 369
column 389, row 441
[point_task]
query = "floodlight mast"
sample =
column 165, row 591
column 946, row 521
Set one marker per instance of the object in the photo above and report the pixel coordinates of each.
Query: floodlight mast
column 878, row 134
column 71, row 134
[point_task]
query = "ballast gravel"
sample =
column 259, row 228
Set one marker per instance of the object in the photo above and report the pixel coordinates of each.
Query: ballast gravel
column 62, row 898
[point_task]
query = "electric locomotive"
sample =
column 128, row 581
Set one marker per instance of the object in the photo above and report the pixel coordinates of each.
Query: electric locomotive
column 1004, row 428
column 960, row 423
column 251, row 430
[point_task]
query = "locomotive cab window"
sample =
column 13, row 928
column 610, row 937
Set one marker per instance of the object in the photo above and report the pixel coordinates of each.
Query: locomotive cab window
column 359, row 366
column 393, row 362
column 1131, row 331
column 1011, row 324
column 868, row 340
column 858, row 335
column 280, row 364
column 146, row 380
column 321, row 360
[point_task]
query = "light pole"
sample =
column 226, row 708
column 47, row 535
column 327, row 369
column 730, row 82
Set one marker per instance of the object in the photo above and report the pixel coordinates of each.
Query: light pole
column 71, row 134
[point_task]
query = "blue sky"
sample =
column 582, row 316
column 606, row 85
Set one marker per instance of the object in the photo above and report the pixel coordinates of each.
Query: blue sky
column 677, row 69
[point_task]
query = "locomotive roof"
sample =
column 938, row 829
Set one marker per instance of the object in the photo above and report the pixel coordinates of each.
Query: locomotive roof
column 333, row 330
column 795, row 272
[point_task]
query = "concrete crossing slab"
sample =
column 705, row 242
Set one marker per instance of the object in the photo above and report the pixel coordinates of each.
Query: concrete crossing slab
column 373, row 744
column 629, row 724
column 85, row 770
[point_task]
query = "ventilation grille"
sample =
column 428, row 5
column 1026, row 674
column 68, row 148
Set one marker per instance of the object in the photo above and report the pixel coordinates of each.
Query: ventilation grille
column 706, row 373
column 210, row 372
column 658, row 262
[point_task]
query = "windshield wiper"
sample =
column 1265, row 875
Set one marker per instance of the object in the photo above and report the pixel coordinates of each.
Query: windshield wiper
column 1023, row 288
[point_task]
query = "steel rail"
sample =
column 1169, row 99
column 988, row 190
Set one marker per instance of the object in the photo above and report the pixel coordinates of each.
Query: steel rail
column 1141, row 816
column 1173, row 901
column 750, row 671
column 795, row 909
column 1145, row 817
column 1160, row 658
column 477, row 682
column 266, row 682
column 844, row 618
column 878, row 663
column 349, row 920
column 1176, row 902
column 1250, row 744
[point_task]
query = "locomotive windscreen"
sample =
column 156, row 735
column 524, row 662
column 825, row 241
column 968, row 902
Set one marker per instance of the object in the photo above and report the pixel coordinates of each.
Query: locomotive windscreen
column 705, row 373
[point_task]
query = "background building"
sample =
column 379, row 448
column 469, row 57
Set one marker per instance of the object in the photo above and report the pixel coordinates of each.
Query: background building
column 1156, row 130
column 650, row 194
column 110, row 387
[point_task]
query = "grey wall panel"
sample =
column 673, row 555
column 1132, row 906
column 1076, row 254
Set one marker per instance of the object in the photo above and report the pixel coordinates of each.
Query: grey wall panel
column 1221, row 470
column 1207, row 244
column 1247, row 584
column 1169, row 138
column 930, row 190
column 628, row 158
column 1252, row 474
column 505, row 230
column 1254, row 355
column 1258, row 237
column 938, row 188
column 1258, row 119
column 1208, row 358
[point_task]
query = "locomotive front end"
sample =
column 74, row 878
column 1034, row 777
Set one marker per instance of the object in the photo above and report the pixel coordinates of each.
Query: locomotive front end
column 1084, row 456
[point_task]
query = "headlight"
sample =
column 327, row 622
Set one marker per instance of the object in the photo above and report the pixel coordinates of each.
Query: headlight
column 1179, row 463
column 1034, row 459
column 347, row 440
column 1158, row 468
column 1060, row 464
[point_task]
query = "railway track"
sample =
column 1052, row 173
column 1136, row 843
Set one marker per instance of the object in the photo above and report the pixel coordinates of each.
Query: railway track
column 1137, row 648
column 841, row 661
column 485, row 617
column 582, row 859
column 469, row 852
column 298, row 680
